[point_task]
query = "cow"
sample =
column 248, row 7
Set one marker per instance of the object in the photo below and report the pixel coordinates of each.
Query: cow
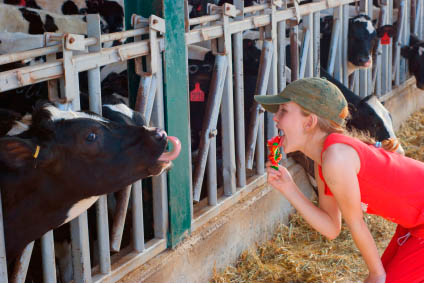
column 111, row 12
column 414, row 53
column 78, row 153
column 362, row 37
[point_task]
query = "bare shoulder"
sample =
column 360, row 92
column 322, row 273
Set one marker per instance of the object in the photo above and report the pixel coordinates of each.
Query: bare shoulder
column 340, row 157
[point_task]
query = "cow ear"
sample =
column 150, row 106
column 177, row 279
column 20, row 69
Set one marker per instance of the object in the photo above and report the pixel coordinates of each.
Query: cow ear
column 389, row 29
column 17, row 153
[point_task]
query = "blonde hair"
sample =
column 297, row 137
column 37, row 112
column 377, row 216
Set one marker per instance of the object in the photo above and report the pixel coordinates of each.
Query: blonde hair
column 328, row 126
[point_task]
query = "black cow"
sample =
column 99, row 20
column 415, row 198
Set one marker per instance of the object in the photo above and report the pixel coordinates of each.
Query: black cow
column 81, row 154
column 415, row 55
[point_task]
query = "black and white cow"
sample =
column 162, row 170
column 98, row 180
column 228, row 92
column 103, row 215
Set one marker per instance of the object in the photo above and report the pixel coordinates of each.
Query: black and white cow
column 362, row 37
column 81, row 154
column 111, row 12
column 415, row 55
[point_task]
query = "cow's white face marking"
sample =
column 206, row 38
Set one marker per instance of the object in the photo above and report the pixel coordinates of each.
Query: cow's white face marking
column 421, row 50
column 80, row 207
column 57, row 114
column 125, row 110
column 370, row 27
column 382, row 112
column 17, row 129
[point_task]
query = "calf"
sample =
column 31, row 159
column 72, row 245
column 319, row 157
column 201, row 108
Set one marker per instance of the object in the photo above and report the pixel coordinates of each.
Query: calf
column 414, row 53
column 56, row 169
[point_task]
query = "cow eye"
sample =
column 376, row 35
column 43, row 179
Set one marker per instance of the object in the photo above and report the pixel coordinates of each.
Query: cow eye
column 91, row 137
column 193, row 69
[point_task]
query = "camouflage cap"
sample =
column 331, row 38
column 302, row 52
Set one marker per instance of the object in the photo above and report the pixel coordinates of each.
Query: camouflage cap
column 314, row 94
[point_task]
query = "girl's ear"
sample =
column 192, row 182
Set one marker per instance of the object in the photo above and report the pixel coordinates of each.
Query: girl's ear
column 311, row 122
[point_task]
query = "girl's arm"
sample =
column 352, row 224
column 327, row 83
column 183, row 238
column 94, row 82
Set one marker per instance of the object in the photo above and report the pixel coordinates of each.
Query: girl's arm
column 325, row 220
column 340, row 167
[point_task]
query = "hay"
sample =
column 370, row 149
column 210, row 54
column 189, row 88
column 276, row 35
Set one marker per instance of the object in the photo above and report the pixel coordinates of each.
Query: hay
column 297, row 253
column 411, row 135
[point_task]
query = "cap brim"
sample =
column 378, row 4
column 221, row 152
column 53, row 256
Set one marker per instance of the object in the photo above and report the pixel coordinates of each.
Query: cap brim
column 271, row 103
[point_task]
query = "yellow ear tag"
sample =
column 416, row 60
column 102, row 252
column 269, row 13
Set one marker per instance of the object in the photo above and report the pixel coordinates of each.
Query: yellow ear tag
column 37, row 151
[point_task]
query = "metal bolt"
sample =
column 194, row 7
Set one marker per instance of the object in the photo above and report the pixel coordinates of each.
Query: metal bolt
column 155, row 21
column 213, row 133
column 228, row 8
column 71, row 40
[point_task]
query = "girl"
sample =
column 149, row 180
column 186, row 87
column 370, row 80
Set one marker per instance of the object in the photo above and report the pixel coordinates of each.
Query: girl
column 352, row 176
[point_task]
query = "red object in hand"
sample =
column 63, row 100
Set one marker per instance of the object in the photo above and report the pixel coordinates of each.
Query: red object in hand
column 274, row 151
column 385, row 39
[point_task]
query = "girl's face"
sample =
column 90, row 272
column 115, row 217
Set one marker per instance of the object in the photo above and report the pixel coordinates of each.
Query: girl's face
column 290, row 119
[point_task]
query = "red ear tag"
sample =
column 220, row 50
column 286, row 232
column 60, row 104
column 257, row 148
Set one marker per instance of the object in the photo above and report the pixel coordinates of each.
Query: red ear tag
column 197, row 95
column 385, row 39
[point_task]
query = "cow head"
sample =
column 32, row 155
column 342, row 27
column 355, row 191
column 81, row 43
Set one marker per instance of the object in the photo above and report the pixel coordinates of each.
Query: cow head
column 362, row 39
column 371, row 116
column 415, row 55
column 67, row 157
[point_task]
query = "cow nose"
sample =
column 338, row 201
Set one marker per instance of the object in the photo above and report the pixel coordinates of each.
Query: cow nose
column 159, row 134
column 363, row 59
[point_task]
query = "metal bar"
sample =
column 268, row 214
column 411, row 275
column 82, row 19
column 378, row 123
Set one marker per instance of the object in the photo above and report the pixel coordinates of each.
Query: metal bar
column 79, row 226
column 281, row 43
column 211, row 179
column 338, row 72
column 308, row 40
column 304, row 55
column 146, row 95
column 210, row 120
column 316, row 36
column 294, row 53
column 21, row 266
column 48, row 257
column 159, row 183
column 390, row 55
column 95, row 103
column 261, row 87
column 398, row 44
column 39, row 73
column 227, row 115
column 333, row 46
column 385, row 55
column 345, row 31
column 249, row 23
column 3, row 260
column 418, row 20
column 119, row 217
column 80, row 249
column 239, row 110
column 137, row 213
column 363, row 79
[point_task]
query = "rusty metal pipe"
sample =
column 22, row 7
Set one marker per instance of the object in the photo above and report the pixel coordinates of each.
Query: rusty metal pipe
column 21, row 266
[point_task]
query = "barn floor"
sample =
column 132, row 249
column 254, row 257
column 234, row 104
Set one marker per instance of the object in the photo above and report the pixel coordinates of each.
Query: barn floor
column 297, row 253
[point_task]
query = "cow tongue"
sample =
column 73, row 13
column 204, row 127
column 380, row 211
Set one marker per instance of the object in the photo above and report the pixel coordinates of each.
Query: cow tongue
column 169, row 156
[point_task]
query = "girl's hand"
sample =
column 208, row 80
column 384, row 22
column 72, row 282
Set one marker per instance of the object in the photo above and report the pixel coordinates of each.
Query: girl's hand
column 381, row 278
column 280, row 179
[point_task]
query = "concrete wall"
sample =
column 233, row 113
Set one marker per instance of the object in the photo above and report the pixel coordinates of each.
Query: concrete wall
column 404, row 101
column 220, row 241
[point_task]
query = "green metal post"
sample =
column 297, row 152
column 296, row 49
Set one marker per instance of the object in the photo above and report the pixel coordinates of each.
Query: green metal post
column 176, row 107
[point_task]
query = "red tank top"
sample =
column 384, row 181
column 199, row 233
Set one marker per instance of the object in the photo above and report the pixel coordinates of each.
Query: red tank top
column 391, row 185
